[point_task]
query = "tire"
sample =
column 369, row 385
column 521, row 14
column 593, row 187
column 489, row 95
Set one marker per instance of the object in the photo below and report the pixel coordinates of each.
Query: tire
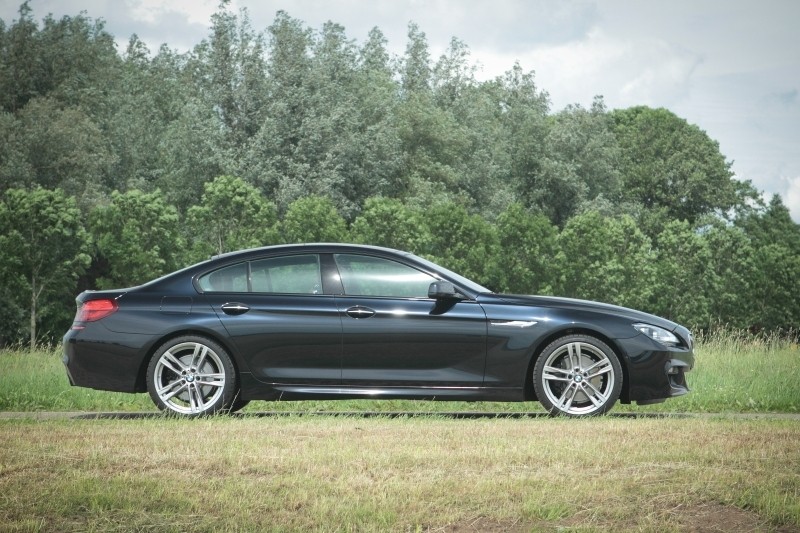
column 191, row 376
column 577, row 375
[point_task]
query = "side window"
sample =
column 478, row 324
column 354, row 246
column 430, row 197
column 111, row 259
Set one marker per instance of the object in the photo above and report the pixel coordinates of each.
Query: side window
column 293, row 274
column 229, row 279
column 363, row 275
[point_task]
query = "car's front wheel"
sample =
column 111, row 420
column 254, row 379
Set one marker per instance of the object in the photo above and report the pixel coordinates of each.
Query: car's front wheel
column 577, row 375
column 191, row 376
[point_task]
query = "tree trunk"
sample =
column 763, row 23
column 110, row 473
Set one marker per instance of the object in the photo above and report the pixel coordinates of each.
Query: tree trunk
column 33, row 313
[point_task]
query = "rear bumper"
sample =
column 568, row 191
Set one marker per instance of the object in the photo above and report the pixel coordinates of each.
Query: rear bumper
column 100, row 359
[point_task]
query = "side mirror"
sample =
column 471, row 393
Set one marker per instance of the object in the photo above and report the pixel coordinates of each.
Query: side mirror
column 443, row 290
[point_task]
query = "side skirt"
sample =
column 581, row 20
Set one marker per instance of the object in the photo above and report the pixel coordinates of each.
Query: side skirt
column 252, row 389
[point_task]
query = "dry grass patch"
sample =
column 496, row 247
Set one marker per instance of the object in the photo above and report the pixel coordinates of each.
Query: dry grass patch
column 414, row 474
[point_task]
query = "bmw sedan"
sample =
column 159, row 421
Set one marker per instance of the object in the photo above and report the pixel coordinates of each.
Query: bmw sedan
column 336, row 321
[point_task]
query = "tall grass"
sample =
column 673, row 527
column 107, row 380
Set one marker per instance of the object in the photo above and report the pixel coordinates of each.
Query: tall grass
column 735, row 372
column 37, row 381
column 739, row 371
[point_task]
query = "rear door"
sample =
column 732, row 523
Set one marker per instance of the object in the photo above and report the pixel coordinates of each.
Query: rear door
column 281, row 324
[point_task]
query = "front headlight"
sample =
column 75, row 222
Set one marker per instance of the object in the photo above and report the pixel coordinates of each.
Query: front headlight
column 658, row 334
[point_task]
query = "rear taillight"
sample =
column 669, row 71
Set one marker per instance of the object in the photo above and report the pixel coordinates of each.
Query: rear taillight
column 94, row 310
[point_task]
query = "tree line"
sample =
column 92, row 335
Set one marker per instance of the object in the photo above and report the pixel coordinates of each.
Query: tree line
column 119, row 167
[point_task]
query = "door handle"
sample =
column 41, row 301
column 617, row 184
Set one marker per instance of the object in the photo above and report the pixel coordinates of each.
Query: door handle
column 360, row 311
column 234, row 308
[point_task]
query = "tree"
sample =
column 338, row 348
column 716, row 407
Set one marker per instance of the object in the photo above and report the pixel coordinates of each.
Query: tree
column 191, row 154
column 733, row 262
column 524, row 123
column 685, row 279
column 137, row 236
column 462, row 242
column 778, row 282
column 388, row 222
column 776, row 240
column 772, row 224
column 235, row 82
column 78, row 63
column 269, row 160
column 667, row 163
column 147, row 101
column 43, row 247
column 527, row 250
column 605, row 259
column 478, row 145
column 416, row 67
column 580, row 164
column 232, row 215
column 312, row 219
column 60, row 147
column 20, row 61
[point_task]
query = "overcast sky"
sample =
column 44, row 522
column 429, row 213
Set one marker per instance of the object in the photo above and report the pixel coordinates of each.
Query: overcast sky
column 730, row 66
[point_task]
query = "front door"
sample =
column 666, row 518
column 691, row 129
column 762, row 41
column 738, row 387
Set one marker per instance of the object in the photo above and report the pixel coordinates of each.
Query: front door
column 393, row 334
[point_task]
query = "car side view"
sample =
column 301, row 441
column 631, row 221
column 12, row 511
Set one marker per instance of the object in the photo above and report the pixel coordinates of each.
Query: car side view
column 336, row 321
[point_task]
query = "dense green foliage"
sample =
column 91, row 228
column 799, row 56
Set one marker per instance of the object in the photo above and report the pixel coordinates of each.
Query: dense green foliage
column 119, row 167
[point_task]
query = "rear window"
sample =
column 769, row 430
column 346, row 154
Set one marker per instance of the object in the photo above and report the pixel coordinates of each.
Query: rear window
column 229, row 279
column 295, row 274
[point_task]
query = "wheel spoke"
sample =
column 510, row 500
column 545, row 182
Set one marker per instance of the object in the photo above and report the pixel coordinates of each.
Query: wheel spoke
column 195, row 400
column 574, row 351
column 172, row 362
column 172, row 389
column 564, row 402
column 600, row 367
column 199, row 356
column 594, row 395
column 214, row 380
column 552, row 373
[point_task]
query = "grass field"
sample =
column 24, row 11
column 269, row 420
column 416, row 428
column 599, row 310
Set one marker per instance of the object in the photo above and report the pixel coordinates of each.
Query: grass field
column 420, row 473
column 734, row 373
column 323, row 473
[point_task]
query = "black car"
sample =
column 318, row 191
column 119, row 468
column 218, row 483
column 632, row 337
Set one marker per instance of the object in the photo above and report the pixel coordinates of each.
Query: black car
column 335, row 321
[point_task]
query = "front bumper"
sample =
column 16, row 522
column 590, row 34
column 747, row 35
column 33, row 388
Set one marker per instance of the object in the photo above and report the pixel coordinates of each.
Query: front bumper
column 656, row 372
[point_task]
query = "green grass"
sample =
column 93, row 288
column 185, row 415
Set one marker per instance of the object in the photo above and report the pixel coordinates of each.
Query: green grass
column 431, row 473
column 734, row 373
column 318, row 473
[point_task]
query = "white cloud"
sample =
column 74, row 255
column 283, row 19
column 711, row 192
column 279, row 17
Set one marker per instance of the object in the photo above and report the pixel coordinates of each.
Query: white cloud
column 150, row 11
column 626, row 72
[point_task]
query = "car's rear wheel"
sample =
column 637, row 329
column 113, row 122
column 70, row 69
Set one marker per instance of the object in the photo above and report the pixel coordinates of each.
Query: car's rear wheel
column 191, row 376
column 577, row 375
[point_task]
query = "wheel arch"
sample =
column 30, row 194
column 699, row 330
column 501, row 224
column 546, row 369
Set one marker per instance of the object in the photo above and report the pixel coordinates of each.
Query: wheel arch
column 544, row 342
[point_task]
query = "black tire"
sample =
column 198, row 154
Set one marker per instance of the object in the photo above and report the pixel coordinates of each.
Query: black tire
column 191, row 376
column 577, row 375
